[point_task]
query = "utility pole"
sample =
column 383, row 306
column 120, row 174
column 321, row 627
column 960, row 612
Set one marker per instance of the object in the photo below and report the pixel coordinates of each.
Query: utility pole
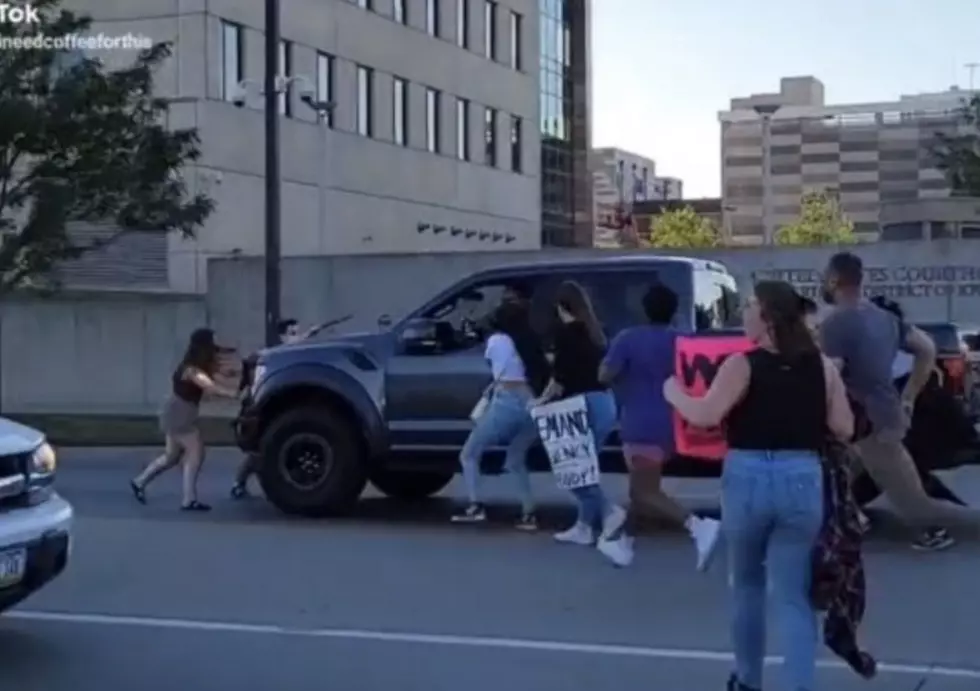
column 971, row 67
column 273, row 211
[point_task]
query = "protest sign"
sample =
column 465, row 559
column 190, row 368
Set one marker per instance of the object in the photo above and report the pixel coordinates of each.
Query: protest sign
column 565, row 434
column 698, row 360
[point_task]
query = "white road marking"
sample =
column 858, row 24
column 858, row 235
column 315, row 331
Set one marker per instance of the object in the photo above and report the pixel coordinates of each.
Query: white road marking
column 463, row 641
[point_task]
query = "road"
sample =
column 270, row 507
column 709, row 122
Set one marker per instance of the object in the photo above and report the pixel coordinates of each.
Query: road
column 397, row 598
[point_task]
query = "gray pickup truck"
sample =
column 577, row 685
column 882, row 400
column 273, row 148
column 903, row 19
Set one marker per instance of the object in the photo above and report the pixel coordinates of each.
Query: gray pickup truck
column 392, row 408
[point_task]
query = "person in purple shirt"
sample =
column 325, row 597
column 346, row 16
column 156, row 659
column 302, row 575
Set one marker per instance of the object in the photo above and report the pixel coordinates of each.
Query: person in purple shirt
column 639, row 361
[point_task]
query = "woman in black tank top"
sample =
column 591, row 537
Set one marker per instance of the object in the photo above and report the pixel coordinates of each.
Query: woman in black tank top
column 778, row 403
column 192, row 378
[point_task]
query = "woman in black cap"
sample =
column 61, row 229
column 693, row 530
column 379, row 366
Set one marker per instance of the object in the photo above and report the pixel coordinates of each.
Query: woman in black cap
column 179, row 418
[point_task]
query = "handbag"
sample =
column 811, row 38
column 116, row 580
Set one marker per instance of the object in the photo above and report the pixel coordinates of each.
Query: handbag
column 481, row 405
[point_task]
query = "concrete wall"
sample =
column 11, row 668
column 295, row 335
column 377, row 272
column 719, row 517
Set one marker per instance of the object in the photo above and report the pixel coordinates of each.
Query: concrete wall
column 98, row 353
column 934, row 280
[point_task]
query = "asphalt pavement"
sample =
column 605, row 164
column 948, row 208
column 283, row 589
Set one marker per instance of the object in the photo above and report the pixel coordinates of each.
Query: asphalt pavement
column 396, row 597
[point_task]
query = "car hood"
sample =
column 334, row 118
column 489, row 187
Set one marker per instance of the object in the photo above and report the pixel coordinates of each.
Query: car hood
column 368, row 341
column 18, row 438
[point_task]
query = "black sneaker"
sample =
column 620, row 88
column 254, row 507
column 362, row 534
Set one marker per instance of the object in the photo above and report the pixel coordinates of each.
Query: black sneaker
column 528, row 522
column 239, row 491
column 735, row 685
column 933, row 540
column 474, row 513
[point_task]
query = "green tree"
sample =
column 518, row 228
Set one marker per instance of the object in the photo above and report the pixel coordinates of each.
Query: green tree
column 958, row 155
column 821, row 222
column 83, row 144
column 681, row 228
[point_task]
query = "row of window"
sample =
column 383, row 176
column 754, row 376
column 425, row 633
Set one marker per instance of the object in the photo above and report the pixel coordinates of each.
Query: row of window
column 434, row 25
column 233, row 73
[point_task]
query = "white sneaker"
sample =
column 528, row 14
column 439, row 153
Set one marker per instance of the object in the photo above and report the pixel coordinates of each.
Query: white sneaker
column 578, row 534
column 613, row 522
column 619, row 552
column 705, row 533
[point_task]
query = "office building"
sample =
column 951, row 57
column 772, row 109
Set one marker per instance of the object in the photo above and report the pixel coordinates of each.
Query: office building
column 432, row 145
column 867, row 154
column 621, row 179
column 565, row 107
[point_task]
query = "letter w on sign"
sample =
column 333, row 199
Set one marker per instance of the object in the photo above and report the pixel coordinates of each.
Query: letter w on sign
column 567, row 438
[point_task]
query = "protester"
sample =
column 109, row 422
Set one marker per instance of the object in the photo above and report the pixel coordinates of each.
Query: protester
column 520, row 372
column 939, row 428
column 194, row 376
column 289, row 332
column 778, row 402
column 867, row 340
column 579, row 347
column 639, row 361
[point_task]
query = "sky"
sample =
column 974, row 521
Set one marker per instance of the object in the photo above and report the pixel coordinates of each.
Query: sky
column 663, row 69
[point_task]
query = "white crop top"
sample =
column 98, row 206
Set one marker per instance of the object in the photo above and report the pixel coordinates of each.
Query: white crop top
column 505, row 363
column 902, row 365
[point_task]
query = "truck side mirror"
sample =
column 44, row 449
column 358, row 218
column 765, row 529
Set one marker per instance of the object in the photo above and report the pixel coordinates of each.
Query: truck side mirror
column 420, row 336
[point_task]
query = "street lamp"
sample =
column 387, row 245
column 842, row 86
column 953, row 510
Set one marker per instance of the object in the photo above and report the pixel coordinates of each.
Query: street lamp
column 766, row 111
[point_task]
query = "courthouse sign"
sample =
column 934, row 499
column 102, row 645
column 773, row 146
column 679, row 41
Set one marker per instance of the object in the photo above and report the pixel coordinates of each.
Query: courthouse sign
column 901, row 282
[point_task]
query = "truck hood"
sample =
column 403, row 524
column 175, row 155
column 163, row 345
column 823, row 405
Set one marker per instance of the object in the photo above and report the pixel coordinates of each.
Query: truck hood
column 18, row 438
column 372, row 342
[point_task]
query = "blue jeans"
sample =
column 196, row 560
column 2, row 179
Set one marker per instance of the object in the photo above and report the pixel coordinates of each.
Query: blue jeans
column 505, row 421
column 772, row 511
column 592, row 503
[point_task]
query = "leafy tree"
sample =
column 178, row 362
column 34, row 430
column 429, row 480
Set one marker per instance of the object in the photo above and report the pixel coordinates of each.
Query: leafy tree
column 958, row 155
column 80, row 143
column 821, row 222
column 683, row 228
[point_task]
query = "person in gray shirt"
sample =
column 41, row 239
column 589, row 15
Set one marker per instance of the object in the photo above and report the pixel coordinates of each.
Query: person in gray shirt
column 865, row 339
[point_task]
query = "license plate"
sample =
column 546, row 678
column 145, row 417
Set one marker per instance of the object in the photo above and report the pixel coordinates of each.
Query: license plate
column 13, row 564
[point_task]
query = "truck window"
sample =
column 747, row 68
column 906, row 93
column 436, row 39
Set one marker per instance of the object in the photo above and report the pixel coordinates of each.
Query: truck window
column 617, row 296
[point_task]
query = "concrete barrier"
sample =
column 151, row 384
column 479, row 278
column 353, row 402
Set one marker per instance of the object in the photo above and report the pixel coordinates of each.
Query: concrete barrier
column 93, row 353
column 933, row 280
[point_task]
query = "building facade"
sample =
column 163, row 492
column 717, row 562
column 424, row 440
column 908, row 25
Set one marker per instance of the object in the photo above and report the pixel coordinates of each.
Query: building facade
column 433, row 143
column 866, row 154
column 621, row 179
column 566, row 102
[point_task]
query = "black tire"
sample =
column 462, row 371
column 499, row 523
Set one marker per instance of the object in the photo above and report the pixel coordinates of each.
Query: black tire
column 408, row 485
column 331, row 481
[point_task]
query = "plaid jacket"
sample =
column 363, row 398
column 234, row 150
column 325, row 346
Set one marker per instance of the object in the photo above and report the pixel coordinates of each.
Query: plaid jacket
column 838, row 588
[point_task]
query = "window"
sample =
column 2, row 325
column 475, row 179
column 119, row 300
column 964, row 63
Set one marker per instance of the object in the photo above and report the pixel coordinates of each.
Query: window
column 463, row 23
column 716, row 302
column 432, row 17
column 232, row 49
column 365, row 101
column 490, row 136
column 516, row 53
column 399, row 13
column 471, row 304
column 462, row 129
column 286, row 71
column 400, row 115
column 432, row 124
column 490, row 30
column 365, row 4
column 516, row 147
column 324, row 83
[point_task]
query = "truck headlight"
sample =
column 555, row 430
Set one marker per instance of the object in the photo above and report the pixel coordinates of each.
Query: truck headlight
column 43, row 460
column 257, row 377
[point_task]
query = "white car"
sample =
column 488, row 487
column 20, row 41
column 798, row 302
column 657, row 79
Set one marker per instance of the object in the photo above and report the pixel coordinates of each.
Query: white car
column 35, row 523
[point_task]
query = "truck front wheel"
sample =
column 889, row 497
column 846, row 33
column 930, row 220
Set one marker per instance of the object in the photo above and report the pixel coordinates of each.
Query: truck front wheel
column 313, row 463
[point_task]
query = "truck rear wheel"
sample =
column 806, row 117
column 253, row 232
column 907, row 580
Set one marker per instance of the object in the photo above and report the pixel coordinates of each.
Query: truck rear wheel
column 313, row 463
column 408, row 485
